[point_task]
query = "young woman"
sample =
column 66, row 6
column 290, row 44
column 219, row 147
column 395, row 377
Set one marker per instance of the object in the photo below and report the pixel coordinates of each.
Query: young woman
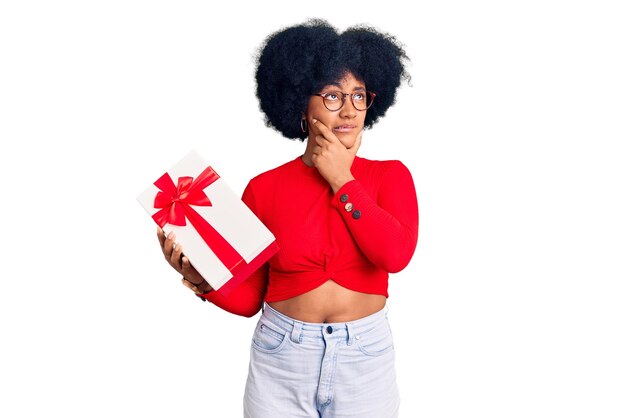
column 322, row 346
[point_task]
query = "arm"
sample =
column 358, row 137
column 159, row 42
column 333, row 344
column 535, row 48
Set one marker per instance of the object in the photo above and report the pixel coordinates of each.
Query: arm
column 247, row 298
column 385, row 229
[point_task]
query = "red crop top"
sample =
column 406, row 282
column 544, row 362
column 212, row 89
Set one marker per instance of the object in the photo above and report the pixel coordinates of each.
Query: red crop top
column 354, row 237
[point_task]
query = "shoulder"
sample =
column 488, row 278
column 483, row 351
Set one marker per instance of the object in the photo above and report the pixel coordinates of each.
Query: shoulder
column 268, row 177
column 381, row 175
column 381, row 167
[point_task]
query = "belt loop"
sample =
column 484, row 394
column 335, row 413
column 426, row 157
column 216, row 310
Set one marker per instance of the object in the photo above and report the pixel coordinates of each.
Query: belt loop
column 296, row 331
column 350, row 330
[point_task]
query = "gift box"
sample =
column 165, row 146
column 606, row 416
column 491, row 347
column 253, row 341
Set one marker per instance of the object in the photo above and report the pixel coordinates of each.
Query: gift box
column 221, row 236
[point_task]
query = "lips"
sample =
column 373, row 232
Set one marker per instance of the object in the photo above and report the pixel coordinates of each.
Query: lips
column 344, row 128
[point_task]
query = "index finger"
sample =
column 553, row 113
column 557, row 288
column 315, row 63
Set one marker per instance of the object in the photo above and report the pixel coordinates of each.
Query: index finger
column 324, row 130
column 161, row 236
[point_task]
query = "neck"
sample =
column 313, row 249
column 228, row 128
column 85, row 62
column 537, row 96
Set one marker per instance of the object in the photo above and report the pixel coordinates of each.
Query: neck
column 308, row 152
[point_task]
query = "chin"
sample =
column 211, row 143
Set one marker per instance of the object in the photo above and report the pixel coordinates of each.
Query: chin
column 347, row 141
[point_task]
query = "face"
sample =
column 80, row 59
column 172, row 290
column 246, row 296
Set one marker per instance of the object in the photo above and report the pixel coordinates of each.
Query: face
column 347, row 122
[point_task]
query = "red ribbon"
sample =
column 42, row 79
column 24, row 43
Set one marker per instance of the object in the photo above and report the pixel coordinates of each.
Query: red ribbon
column 175, row 203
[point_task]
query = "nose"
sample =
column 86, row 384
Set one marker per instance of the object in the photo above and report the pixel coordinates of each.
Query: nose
column 348, row 110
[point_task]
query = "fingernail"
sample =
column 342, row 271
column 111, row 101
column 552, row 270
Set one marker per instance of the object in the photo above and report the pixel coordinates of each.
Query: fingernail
column 314, row 120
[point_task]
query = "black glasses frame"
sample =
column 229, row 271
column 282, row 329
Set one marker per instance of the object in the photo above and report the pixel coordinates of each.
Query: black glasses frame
column 371, row 95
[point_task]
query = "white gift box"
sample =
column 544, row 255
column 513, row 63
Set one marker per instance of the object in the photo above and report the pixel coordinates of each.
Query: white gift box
column 238, row 242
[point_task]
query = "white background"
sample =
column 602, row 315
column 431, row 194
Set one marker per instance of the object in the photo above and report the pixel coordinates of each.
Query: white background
column 513, row 305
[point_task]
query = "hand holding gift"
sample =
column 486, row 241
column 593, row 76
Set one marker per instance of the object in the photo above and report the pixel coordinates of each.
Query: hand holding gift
column 174, row 256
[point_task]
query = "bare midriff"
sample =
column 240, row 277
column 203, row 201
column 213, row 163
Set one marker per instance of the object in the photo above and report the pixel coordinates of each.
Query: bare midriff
column 330, row 302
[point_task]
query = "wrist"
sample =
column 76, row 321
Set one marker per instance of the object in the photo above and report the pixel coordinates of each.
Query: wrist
column 204, row 287
column 198, row 288
column 338, row 184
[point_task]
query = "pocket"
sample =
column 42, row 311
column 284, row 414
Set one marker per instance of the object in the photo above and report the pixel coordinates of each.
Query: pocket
column 377, row 341
column 268, row 338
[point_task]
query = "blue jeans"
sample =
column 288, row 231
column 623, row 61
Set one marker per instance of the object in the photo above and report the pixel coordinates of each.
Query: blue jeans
column 301, row 369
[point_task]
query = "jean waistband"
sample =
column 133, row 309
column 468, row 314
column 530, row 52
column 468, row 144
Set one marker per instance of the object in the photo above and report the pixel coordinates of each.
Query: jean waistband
column 349, row 330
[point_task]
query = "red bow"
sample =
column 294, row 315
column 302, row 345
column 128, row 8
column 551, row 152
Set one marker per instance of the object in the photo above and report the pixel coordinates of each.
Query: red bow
column 173, row 200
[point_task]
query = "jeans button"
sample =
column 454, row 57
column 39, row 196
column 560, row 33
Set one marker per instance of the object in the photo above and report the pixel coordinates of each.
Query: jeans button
column 329, row 329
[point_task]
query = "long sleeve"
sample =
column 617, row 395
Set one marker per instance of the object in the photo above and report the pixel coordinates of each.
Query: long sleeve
column 247, row 298
column 385, row 229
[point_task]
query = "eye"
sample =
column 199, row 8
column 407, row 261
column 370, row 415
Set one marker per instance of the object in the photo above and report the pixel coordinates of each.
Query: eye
column 332, row 96
column 358, row 96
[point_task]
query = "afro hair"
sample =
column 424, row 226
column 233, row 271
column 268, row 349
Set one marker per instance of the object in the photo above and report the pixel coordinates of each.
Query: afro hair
column 300, row 60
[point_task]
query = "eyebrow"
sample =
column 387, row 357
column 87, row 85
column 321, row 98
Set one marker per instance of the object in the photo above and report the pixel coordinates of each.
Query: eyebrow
column 339, row 86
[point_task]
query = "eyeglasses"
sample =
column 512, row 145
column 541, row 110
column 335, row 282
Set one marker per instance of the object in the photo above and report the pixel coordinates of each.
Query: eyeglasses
column 334, row 100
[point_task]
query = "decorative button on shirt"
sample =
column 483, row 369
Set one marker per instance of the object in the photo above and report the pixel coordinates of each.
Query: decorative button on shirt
column 356, row 214
column 348, row 207
column 343, row 198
